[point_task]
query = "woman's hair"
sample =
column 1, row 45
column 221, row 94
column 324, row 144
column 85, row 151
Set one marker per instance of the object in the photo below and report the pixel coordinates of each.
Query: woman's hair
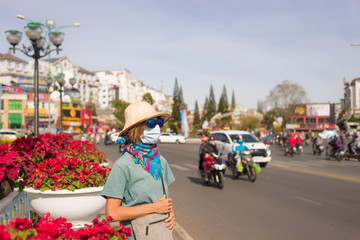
column 135, row 132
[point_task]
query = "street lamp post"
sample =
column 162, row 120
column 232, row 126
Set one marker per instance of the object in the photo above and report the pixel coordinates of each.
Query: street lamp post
column 37, row 50
column 61, row 81
column 49, row 81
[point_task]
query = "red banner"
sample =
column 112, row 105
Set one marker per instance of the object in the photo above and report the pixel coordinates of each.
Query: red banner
column 86, row 115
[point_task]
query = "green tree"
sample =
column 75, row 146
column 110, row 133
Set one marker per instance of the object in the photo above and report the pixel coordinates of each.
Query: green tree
column 248, row 122
column 205, row 107
column 119, row 107
column 233, row 104
column 211, row 106
column 176, row 102
column 223, row 105
column 270, row 116
column 197, row 123
column 284, row 97
column 148, row 98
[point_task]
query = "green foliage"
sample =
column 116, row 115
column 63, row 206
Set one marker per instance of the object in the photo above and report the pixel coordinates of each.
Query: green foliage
column 249, row 123
column 233, row 104
column 197, row 122
column 353, row 119
column 342, row 112
column 120, row 107
column 270, row 116
column 148, row 98
column 176, row 102
column 223, row 106
column 211, row 105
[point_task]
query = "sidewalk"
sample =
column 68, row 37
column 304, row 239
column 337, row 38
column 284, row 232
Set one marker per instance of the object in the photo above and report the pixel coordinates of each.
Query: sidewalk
column 179, row 233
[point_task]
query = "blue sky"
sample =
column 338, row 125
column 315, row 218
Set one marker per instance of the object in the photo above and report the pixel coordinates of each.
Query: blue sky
column 247, row 45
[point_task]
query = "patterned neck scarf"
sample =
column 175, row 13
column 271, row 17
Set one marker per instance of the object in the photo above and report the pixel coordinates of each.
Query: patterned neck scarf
column 148, row 156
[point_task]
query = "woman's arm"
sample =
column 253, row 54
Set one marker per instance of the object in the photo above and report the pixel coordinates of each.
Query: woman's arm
column 121, row 213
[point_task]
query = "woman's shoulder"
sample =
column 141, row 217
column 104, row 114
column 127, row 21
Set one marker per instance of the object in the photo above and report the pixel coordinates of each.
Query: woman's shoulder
column 124, row 160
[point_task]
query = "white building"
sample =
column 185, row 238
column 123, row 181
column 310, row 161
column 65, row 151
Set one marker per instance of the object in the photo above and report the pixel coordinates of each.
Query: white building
column 352, row 97
column 99, row 87
column 118, row 84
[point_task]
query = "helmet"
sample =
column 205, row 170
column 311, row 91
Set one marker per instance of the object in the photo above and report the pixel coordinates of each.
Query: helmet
column 239, row 138
column 204, row 138
column 211, row 138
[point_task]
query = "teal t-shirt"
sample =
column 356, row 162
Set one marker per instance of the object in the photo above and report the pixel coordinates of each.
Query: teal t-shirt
column 131, row 183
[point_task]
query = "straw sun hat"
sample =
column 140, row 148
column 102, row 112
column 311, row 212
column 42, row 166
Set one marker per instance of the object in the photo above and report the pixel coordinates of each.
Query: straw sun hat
column 138, row 112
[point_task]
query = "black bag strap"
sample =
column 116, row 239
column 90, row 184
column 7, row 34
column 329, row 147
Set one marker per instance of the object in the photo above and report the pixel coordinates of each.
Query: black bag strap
column 163, row 186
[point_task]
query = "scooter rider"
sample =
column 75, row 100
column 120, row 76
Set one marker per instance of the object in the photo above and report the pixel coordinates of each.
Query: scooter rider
column 204, row 140
column 208, row 150
column 291, row 142
column 238, row 148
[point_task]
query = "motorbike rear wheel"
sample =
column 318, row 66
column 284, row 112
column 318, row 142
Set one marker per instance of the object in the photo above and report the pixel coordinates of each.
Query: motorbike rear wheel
column 327, row 155
column 219, row 179
column 251, row 173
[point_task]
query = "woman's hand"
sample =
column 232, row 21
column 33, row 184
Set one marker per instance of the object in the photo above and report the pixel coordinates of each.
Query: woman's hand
column 163, row 205
column 171, row 220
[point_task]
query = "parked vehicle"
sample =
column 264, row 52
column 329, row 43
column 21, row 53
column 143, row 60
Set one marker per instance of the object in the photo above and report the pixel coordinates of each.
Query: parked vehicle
column 216, row 170
column 339, row 154
column 8, row 135
column 224, row 140
column 247, row 168
column 171, row 138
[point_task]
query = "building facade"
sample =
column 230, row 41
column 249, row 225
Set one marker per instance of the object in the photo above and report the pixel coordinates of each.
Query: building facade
column 99, row 88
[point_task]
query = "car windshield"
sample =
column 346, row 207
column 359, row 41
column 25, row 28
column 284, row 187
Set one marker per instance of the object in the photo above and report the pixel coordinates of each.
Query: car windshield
column 248, row 138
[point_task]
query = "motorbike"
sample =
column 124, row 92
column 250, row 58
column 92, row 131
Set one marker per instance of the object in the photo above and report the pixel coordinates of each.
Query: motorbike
column 349, row 154
column 299, row 149
column 247, row 166
column 339, row 154
column 107, row 140
column 216, row 169
column 318, row 149
column 289, row 150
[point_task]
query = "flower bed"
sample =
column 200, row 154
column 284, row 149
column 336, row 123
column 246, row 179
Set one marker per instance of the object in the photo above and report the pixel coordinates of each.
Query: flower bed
column 49, row 228
column 15, row 169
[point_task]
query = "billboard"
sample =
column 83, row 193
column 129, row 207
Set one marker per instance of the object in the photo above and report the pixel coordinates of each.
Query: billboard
column 318, row 109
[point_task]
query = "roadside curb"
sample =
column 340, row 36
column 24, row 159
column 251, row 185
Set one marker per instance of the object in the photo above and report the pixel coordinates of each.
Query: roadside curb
column 179, row 233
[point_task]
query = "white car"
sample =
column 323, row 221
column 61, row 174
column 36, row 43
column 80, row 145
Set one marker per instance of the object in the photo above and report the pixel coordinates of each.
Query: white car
column 224, row 140
column 8, row 135
column 171, row 138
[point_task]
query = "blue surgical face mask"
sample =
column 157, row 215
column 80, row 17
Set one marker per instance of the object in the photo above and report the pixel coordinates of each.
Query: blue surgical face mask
column 151, row 135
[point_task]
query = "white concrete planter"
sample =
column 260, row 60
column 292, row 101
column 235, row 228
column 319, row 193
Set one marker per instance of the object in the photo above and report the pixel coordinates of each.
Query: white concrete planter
column 4, row 203
column 79, row 207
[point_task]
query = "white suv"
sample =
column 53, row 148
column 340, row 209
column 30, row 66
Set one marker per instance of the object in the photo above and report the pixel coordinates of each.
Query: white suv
column 224, row 140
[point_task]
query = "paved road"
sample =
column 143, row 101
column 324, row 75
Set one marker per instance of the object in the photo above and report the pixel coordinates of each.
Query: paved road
column 304, row 197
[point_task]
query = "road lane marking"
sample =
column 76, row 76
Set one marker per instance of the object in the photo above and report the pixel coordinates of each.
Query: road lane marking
column 179, row 167
column 190, row 165
column 308, row 200
column 322, row 174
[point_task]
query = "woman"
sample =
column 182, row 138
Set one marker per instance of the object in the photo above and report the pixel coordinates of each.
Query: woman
column 135, row 184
